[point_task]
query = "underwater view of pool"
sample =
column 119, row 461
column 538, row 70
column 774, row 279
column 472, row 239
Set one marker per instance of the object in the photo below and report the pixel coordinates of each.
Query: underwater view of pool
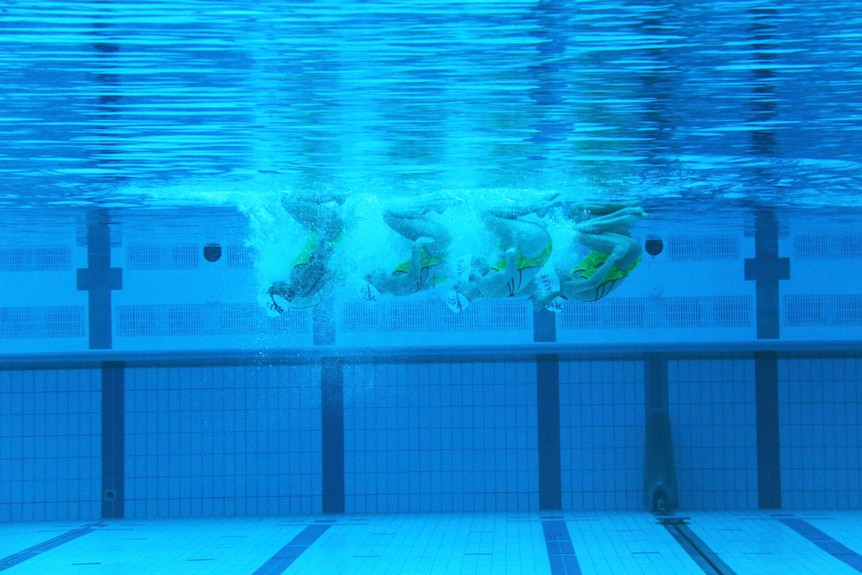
column 430, row 287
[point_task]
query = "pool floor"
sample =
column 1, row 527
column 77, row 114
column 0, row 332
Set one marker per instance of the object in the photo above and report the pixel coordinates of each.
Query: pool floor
column 557, row 543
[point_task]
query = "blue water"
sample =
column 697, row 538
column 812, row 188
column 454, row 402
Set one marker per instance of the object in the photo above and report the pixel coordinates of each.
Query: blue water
column 141, row 379
column 142, row 104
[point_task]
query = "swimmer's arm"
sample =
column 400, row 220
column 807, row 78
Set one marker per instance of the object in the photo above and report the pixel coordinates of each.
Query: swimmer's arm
column 415, row 271
column 512, row 261
column 414, row 274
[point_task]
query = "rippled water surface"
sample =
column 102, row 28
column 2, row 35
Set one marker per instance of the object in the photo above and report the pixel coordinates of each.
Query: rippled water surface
column 120, row 103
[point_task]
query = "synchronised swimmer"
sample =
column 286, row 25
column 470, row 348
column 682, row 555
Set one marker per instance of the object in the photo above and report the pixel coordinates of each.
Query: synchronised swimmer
column 517, row 264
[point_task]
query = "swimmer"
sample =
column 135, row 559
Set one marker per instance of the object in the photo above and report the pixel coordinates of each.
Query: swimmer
column 429, row 245
column 605, row 230
column 309, row 273
column 525, row 246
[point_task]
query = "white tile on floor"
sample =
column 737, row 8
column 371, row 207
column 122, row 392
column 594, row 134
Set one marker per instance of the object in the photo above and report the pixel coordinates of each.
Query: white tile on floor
column 188, row 546
column 434, row 543
column 756, row 542
column 618, row 543
column 623, row 543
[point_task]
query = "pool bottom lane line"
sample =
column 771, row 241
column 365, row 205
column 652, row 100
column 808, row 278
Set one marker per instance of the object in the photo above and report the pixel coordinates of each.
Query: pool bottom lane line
column 285, row 556
column 696, row 548
column 561, row 552
column 825, row 542
column 45, row 546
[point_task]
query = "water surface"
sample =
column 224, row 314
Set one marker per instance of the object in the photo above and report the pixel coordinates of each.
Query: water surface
column 728, row 103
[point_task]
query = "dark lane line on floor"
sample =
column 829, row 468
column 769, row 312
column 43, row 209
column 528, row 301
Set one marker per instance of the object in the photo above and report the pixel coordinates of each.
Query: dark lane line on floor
column 825, row 542
column 561, row 552
column 45, row 546
column 696, row 548
column 285, row 556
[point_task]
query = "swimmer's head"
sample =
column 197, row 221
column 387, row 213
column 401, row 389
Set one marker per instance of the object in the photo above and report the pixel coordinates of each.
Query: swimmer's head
column 281, row 291
column 368, row 292
column 456, row 302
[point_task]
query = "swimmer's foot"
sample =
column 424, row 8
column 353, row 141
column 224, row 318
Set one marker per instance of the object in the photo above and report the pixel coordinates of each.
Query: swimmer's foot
column 540, row 207
column 436, row 202
column 327, row 196
column 315, row 198
column 624, row 219
column 544, row 205
column 581, row 212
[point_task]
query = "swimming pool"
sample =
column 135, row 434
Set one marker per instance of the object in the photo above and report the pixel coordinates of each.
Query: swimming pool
column 702, row 416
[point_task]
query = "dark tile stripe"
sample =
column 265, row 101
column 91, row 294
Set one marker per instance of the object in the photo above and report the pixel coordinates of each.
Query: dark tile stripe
column 285, row 556
column 660, row 485
column 561, row 552
column 548, row 407
column 544, row 326
column 113, row 439
column 825, row 542
column 99, row 279
column 767, row 430
column 36, row 550
column 332, row 435
column 699, row 551
column 323, row 325
column 766, row 269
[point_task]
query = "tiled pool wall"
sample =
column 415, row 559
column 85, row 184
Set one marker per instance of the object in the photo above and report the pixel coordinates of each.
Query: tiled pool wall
column 100, row 284
column 418, row 436
column 102, row 416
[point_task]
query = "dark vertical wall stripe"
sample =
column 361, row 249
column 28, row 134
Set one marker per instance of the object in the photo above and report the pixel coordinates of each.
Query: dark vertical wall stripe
column 323, row 325
column 660, row 486
column 548, row 412
column 768, row 447
column 99, row 279
column 332, row 435
column 544, row 326
column 548, row 405
column 766, row 269
column 113, row 439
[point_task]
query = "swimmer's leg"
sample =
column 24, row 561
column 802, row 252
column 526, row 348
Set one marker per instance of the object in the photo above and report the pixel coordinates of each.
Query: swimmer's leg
column 618, row 222
column 414, row 225
column 529, row 238
column 583, row 212
column 626, row 250
column 540, row 208
column 314, row 216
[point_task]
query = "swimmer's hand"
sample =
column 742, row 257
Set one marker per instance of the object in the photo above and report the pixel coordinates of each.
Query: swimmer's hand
column 551, row 302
